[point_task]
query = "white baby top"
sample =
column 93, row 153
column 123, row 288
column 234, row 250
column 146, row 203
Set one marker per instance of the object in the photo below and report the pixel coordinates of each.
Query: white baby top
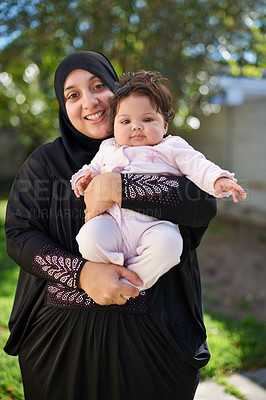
column 172, row 156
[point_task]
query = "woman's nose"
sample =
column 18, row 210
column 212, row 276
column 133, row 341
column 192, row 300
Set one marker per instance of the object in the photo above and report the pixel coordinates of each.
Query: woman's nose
column 89, row 100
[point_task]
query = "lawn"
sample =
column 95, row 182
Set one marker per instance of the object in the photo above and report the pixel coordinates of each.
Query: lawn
column 10, row 379
column 234, row 345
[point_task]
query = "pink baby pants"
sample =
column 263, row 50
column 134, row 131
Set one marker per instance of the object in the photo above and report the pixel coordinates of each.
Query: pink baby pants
column 146, row 245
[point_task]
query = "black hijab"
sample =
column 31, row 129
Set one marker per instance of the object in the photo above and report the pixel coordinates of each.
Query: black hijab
column 81, row 148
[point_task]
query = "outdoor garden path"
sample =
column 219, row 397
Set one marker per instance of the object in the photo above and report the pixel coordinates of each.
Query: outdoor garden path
column 251, row 385
column 232, row 262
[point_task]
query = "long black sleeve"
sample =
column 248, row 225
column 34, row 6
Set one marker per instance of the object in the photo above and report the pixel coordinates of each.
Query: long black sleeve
column 171, row 198
column 180, row 201
column 29, row 225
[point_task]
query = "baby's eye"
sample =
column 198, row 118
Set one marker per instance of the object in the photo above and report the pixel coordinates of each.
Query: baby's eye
column 147, row 119
column 125, row 121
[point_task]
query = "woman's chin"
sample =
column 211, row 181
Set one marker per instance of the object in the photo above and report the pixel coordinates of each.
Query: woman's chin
column 98, row 134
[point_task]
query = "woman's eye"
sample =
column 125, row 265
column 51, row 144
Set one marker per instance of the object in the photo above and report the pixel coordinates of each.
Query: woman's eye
column 99, row 86
column 71, row 96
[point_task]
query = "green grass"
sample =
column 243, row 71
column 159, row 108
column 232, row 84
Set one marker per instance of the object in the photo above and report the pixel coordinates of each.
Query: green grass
column 230, row 389
column 10, row 378
column 235, row 345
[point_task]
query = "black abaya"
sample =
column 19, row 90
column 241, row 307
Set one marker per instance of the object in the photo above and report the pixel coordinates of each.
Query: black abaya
column 71, row 348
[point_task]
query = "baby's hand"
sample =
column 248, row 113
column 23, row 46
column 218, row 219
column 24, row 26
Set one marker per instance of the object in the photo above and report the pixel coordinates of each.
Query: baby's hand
column 223, row 185
column 83, row 183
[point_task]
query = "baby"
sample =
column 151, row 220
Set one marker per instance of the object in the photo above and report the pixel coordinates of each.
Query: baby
column 140, row 112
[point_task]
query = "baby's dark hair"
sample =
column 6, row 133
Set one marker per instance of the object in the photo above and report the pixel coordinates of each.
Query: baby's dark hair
column 144, row 83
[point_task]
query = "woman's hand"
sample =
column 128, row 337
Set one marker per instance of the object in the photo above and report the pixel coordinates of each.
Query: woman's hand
column 102, row 283
column 103, row 191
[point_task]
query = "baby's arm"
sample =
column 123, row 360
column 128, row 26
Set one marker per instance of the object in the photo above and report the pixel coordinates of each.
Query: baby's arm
column 81, row 179
column 224, row 185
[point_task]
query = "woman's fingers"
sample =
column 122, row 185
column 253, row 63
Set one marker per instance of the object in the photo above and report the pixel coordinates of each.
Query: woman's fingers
column 102, row 283
column 130, row 276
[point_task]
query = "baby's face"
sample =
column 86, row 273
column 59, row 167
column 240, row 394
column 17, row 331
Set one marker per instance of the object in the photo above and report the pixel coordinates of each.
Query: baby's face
column 138, row 123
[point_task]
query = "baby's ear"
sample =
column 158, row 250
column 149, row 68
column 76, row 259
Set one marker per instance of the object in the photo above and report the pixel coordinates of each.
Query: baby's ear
column 165, row 128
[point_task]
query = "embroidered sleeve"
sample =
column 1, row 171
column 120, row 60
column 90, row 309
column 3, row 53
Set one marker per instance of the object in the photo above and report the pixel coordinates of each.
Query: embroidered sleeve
column 58, row 266
column 171, row 198
column 151, row 188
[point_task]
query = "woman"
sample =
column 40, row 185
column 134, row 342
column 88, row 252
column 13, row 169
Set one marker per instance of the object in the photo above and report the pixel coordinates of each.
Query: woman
column 76, row 335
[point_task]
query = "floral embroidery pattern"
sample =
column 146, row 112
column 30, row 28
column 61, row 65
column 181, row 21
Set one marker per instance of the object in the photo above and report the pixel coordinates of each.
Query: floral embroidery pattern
column 150, row 187
column 60, row 269
column 58, row 294
column 58, row 266
column 61, row 296
column 151, row 155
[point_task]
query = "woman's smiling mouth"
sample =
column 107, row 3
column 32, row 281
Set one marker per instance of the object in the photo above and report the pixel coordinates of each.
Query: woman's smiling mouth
column 95, row 116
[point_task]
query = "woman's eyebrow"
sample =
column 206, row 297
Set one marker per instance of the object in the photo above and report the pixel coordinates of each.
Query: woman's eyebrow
column 72, row 87
column 69, row 87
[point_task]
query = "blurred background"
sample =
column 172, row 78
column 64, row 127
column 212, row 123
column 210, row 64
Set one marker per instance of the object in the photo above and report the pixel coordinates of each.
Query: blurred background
column 214, row 55
column 212, row 52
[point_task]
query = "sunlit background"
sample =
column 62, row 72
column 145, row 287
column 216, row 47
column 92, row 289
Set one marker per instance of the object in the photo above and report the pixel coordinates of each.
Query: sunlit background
column 213, row 53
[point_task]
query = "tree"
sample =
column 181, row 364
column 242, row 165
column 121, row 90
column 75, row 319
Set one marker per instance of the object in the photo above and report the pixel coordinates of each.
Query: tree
column 190, row 42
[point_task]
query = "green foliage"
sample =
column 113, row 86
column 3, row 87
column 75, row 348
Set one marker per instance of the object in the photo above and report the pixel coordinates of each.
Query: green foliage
column 190, row 42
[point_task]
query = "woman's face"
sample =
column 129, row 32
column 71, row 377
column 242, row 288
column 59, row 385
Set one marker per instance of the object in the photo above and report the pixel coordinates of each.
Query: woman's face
column 87, row 101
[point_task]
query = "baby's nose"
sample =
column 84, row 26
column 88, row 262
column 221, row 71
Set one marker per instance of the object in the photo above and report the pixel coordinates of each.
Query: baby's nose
column 136, row 126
